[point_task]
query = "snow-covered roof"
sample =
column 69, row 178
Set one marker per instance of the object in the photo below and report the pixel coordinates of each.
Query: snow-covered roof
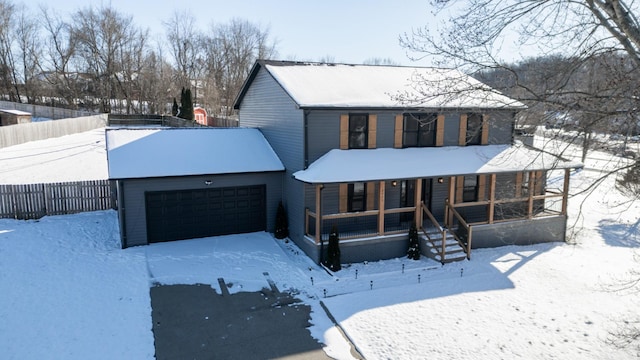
column 320, row 85
column 15, row 112
column 340, row 166
column 142, row 153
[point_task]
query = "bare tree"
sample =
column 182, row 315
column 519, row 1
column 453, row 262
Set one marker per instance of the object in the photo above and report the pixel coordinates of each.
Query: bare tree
column 102, row 35
column 57, row 68
column 29, row 52
column 156, row 87
column 598, row 42
column 8, row 70
column 183, row 43
column 229, row 52
column 595, row 45
column 131, row 60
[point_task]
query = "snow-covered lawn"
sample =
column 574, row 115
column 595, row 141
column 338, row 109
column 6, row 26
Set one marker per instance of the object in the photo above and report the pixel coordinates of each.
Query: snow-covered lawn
column 75, row 157
column 67, row 290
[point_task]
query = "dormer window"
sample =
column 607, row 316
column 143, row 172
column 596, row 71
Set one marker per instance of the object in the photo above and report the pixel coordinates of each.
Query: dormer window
column 358, row 130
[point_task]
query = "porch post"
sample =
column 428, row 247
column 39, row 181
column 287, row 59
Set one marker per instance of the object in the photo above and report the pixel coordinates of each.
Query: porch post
column 531, row 189
column 565, row 191
column 381, row 192
column 418, row 202
column 318, row 213
column 452, row 195
column 492, row 197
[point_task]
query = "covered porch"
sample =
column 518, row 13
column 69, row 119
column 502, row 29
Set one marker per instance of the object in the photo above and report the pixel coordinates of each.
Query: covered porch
column 446, row 192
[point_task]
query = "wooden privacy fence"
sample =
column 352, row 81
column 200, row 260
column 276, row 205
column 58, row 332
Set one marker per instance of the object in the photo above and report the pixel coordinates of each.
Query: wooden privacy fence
column 33, row 201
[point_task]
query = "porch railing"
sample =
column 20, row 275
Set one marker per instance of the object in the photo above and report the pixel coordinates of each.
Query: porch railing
column 442, row 231
column 360, row 224
column 464, row 230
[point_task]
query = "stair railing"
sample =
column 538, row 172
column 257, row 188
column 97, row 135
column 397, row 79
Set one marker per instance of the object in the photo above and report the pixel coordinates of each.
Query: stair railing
column 436, row 224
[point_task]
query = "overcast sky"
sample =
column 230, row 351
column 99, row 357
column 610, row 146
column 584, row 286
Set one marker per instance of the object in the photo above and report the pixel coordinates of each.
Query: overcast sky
column 349, row 31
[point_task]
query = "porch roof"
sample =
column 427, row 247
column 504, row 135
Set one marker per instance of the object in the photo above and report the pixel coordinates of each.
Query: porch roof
column 341, row 166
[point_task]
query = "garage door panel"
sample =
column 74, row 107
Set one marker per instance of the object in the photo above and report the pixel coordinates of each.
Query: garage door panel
column 187, row 214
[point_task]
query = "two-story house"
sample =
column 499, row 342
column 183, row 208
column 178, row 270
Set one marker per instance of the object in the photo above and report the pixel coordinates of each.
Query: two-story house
column 375, row 149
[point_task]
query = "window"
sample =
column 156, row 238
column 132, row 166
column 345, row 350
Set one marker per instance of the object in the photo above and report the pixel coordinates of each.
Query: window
column 407, row 191
column 474, row 129
column 358, row 131
column 419, row 130
column 470, row 190
column 357, row 197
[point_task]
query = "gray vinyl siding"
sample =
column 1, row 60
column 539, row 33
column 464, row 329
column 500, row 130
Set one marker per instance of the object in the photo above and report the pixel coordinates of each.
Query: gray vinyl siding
column 451, row 129
column 133, row 192
column 439, row 192
column 501, row 125
column 385, row 132
column 268, row 107
column 323, row 129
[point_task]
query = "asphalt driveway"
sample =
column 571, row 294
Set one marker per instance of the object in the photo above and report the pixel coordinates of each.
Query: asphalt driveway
column 195, row 322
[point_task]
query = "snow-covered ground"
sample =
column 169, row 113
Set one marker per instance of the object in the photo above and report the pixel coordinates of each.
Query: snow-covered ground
column 75, row 157
column 67, row 290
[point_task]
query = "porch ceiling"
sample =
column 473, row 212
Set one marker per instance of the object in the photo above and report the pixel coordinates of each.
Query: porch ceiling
column 340, row 166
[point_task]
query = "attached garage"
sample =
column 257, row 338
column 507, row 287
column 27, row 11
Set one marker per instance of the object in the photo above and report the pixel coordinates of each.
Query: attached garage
column 234, row 186
column 187, row 214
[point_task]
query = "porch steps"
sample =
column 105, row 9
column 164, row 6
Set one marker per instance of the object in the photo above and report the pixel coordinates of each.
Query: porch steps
column 453, row 250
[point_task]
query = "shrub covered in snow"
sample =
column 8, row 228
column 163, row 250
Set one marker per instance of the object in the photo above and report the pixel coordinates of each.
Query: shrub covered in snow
column 414, row 245
column 282, row 225
column 333, row 252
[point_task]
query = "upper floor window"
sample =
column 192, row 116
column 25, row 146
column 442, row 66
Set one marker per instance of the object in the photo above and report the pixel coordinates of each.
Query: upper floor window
column 358, row 130
column 357, row 196
column 419, row 130
column 470, row 190
column 474, row 129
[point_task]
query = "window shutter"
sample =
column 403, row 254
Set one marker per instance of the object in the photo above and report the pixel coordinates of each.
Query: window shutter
column 519, row 176
column 373, row 125
column 344, row 197
column 482, row 186
column 459, row 188
column 344, row 131
column 539, row 183
column 397, row 139
column 462, row 135
column 371, row 195
column 440, row 130
column 485, row 130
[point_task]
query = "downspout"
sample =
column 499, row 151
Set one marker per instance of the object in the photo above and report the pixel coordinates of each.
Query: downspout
column 306, row 138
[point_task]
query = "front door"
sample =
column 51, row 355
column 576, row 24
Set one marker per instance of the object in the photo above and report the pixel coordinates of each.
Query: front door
column 408, row 196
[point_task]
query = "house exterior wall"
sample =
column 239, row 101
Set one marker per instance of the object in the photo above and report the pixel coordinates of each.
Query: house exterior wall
column 132, row 194
column 501, row 126
column 267, row 106
column 323, row 129
column 451, row 129
column 301, row 136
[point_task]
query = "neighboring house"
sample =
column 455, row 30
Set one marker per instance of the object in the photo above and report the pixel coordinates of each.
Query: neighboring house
column 183, row 183
column 200, row 116
column 13, row 117
column 375, row 149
